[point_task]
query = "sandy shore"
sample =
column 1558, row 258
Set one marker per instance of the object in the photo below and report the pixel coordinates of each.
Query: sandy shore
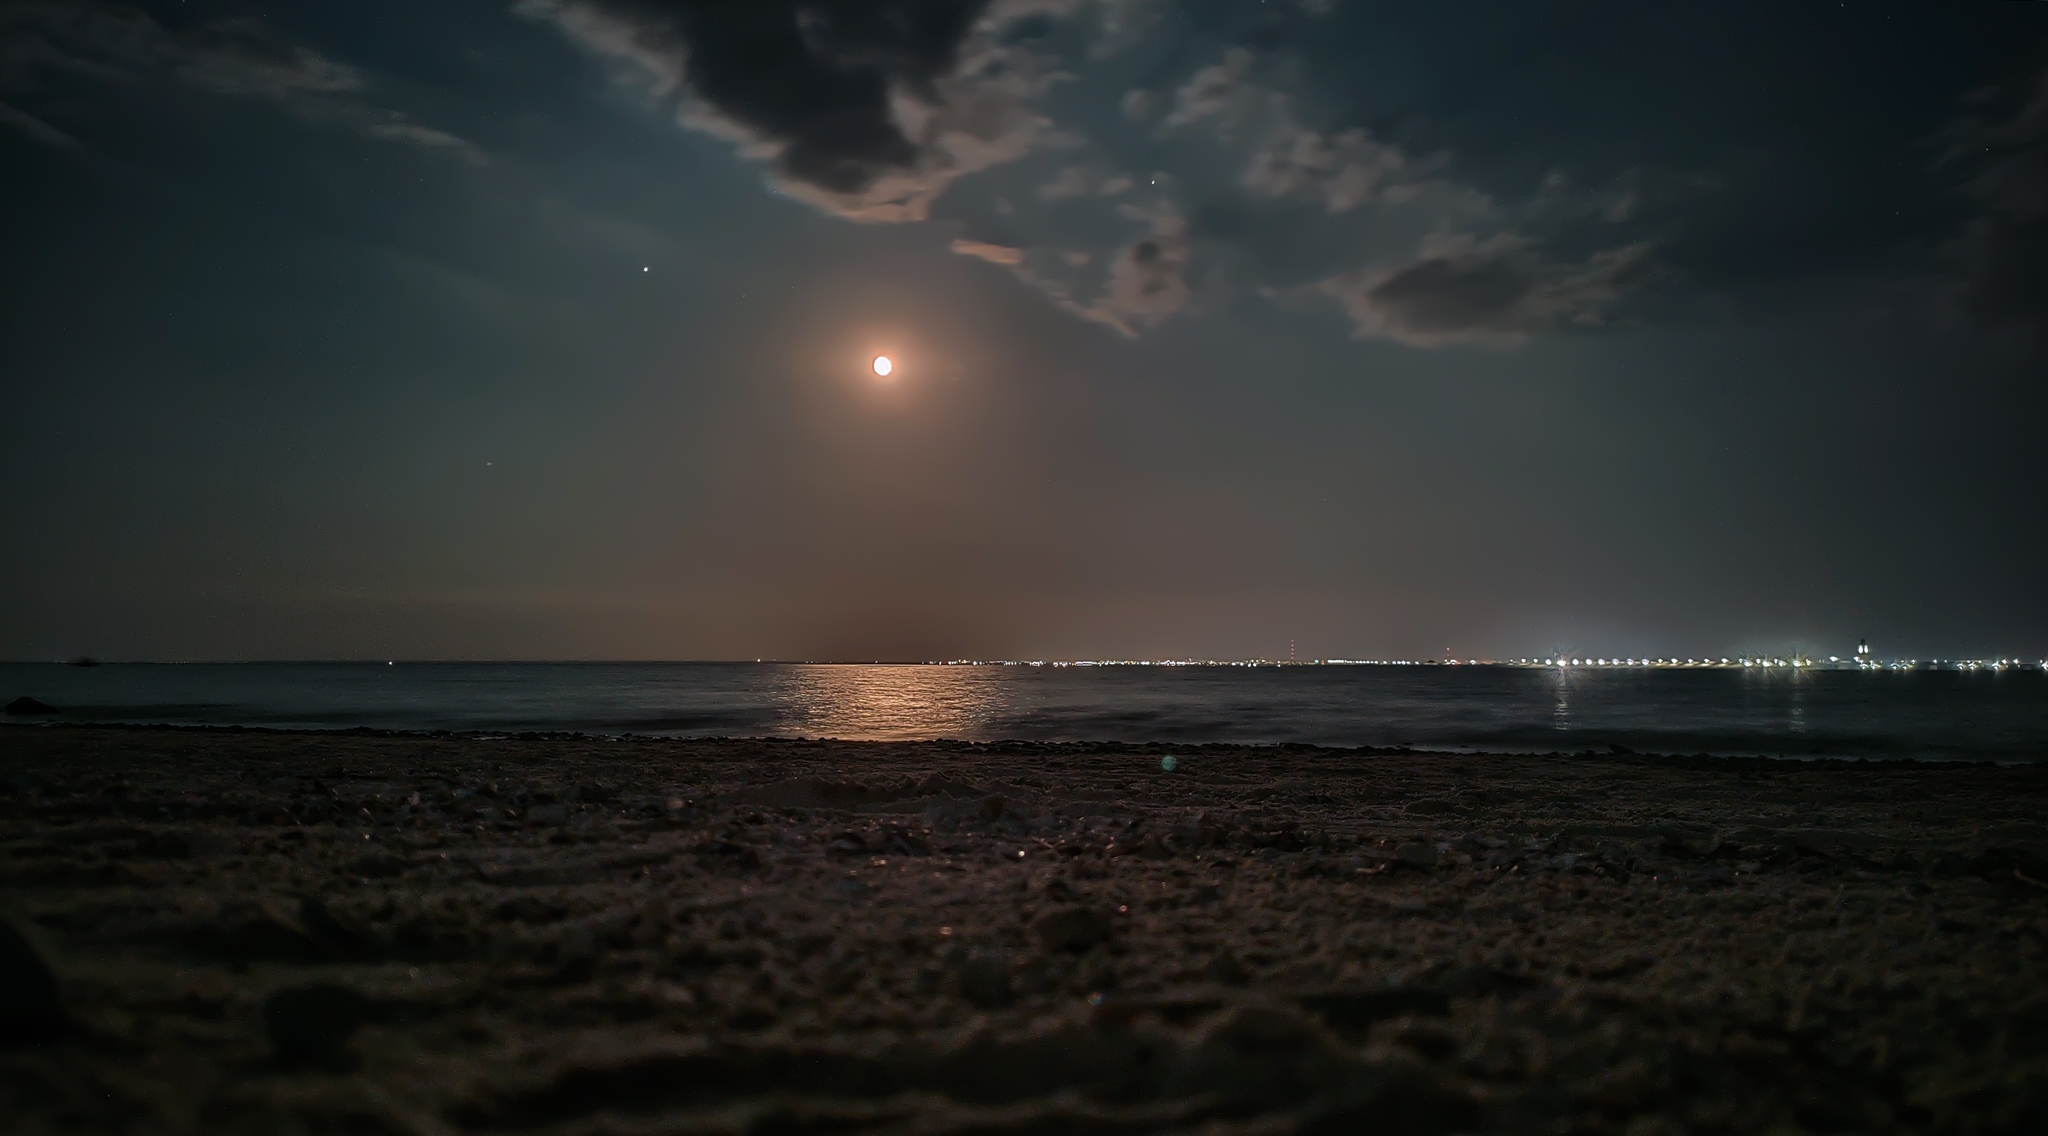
column 270, row 932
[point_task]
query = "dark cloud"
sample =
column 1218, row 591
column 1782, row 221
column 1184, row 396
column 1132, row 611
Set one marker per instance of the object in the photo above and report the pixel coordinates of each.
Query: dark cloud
column 2002, row 252
column 815, row 76
column 875, row 109
column 1147, row 280
column 1499, row 290
column 867, row 107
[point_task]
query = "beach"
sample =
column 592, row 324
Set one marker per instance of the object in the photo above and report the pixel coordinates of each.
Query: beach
column 217, row 930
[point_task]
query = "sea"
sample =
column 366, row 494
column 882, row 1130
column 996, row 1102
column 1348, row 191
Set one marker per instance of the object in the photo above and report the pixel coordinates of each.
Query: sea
column 1940, row 715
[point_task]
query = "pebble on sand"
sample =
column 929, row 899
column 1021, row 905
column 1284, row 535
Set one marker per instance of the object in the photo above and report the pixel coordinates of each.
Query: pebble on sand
column 1416, row 854
column 1073, row 928
column 31, row 1001
column 310, row 1026
column 985, row 980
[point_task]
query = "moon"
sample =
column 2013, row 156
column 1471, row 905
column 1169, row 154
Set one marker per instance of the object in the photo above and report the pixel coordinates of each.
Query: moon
column 883, row 366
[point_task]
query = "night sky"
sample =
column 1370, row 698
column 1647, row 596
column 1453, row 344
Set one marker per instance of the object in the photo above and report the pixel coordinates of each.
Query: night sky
column 542, row 329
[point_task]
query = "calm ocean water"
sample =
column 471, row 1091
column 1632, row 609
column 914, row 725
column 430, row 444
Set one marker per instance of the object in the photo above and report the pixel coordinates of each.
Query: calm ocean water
column 1925, row 714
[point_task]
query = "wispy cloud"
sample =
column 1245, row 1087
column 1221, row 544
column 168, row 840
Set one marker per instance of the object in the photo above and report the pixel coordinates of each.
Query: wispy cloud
column 17, row 119
column 877, row 110
column 240, row 58
column 2000, row 256
column 994, row 254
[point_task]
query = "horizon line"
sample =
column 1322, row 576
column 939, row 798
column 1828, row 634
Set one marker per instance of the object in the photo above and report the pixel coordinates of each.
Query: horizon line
column 1771, row 658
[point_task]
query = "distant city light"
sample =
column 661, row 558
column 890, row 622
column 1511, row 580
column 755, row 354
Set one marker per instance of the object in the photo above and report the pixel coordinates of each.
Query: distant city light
column 1864, row 661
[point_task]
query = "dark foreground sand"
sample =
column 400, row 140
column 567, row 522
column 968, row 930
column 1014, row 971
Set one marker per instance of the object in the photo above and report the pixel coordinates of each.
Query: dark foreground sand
column 256, row 932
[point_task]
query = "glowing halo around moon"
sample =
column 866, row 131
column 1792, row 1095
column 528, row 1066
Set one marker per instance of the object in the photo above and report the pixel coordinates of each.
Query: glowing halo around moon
column 883, row 365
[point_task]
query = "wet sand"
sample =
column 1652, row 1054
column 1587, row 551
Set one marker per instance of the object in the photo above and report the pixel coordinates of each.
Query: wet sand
column 278, row 932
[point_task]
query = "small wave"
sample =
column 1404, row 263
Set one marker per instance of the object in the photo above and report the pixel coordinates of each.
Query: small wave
column 1827, row 715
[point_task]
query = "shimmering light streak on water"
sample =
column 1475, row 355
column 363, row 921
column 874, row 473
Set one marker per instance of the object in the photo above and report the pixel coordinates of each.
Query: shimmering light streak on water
column 892, row 703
